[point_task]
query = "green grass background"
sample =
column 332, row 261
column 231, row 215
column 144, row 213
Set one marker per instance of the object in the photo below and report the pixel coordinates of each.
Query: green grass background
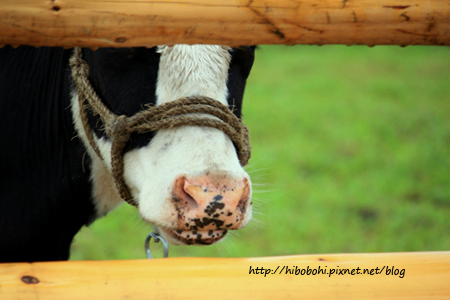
column 351, row 153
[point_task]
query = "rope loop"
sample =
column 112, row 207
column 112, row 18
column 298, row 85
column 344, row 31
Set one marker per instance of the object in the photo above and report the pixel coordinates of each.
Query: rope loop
column 180, row 112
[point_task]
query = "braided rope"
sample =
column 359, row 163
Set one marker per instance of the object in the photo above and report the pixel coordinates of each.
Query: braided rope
column 168, row 115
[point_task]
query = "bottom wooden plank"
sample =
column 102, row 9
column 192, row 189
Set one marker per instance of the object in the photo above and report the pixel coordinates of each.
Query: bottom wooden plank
column 410, row 275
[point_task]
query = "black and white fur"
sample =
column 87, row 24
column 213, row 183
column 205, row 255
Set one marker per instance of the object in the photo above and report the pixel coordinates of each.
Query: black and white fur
column 50, row 188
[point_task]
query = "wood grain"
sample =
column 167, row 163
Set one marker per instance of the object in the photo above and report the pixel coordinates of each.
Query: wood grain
column 125, row 23
column 426, row 276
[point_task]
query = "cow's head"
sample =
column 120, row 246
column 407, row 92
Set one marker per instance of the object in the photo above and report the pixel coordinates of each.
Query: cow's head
column 187, row 181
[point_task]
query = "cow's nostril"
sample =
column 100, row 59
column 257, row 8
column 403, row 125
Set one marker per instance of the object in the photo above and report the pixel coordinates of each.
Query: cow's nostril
column 184, row 196
column 189, row 200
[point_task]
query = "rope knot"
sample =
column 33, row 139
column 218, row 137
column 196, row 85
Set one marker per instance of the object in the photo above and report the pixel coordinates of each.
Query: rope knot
column 78, row 65
column 118, row 129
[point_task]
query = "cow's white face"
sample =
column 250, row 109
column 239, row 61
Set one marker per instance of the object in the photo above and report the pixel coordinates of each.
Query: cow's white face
column 187, row 181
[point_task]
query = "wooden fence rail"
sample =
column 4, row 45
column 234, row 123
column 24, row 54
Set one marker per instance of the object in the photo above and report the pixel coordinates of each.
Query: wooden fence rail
column 125, row 23
column 411, row 275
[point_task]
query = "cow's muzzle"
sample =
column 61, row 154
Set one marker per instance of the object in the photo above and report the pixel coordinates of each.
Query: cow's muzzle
column 207, row 207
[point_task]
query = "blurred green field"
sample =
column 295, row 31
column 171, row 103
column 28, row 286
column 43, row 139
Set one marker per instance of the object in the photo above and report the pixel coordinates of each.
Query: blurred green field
column 351, row 153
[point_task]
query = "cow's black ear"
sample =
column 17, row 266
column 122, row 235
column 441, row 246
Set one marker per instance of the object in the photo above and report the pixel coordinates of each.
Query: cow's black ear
column 243, row 58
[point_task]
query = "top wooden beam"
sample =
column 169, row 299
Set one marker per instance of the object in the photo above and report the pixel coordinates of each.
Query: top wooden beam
column 126, row 23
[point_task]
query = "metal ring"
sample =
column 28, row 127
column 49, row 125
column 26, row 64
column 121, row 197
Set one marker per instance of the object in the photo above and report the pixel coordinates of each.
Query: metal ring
column 157, row 239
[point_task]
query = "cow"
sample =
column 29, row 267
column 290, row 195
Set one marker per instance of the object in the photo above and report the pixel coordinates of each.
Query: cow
column 187, row 181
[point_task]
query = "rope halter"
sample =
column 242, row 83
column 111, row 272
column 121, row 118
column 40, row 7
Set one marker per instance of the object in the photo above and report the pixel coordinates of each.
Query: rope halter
column 166, row 116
